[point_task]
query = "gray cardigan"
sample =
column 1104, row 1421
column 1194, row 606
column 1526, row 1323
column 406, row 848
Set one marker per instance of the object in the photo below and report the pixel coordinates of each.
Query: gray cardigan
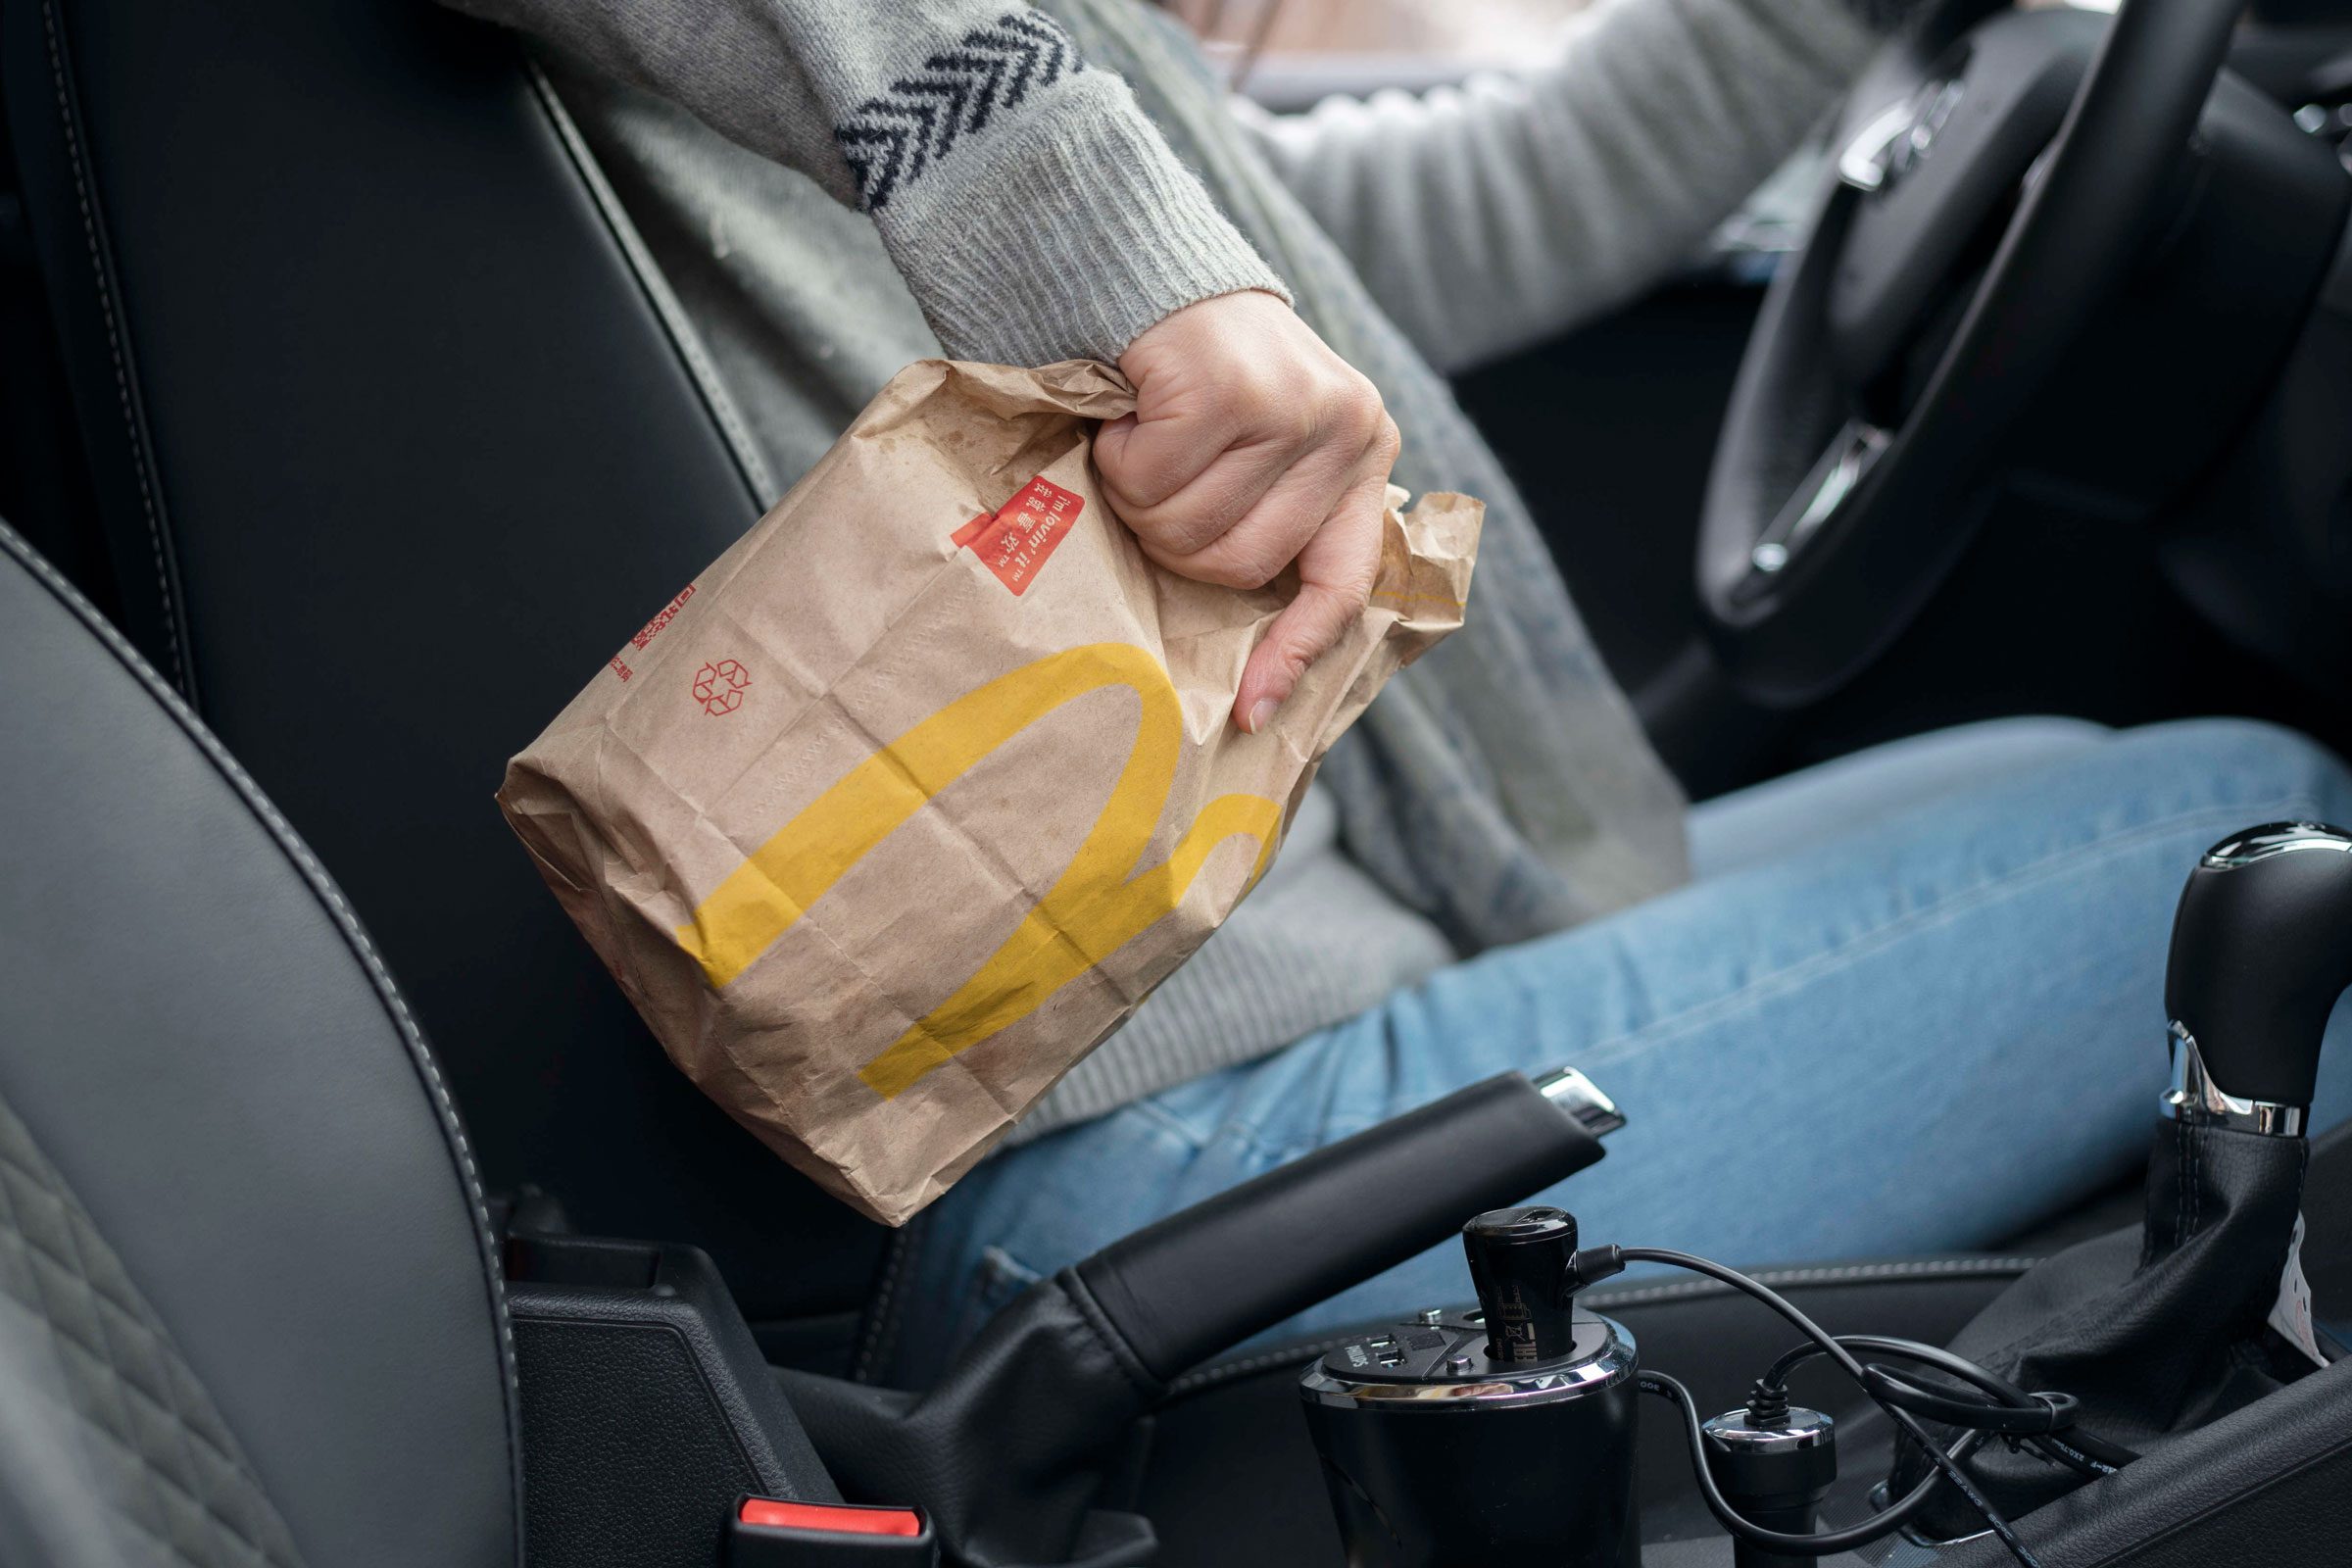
column 1481, row 218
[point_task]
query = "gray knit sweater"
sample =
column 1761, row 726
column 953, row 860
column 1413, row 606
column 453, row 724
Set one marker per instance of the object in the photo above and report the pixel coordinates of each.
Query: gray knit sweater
column 1024, row 197
column 959, row 178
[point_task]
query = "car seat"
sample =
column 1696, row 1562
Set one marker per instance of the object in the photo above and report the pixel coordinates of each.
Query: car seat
column 249, row 1308
column 391, row 445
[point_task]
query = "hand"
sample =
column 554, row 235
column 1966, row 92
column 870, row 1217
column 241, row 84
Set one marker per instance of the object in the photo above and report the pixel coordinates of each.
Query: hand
column 1252, row 446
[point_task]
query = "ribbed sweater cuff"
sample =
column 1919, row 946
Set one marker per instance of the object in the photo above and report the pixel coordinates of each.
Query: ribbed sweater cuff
column 1066, row 237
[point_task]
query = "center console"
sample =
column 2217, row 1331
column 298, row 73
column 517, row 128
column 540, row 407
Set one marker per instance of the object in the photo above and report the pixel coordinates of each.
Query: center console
column 2161, row 1394
column 2177, row 1358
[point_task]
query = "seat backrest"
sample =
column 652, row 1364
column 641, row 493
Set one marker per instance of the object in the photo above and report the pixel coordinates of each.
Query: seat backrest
column 393, row 448
column 249, row 1308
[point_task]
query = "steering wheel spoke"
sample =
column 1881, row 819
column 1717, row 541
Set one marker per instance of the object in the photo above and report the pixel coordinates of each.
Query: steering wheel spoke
column 1839, row 472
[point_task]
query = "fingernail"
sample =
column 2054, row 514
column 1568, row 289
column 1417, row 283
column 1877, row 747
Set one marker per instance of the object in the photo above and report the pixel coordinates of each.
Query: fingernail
column 1258, row 715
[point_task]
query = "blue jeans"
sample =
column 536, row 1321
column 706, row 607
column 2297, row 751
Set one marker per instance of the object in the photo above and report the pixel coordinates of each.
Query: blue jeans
column 1933, row 972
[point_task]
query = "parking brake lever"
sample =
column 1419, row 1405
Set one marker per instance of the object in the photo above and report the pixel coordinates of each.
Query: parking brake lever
column 1010, row 1452
column 2260, row 953
column 1182, row 1289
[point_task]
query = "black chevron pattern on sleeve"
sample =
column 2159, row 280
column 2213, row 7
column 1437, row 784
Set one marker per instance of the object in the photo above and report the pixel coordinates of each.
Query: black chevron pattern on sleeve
column 894, row 137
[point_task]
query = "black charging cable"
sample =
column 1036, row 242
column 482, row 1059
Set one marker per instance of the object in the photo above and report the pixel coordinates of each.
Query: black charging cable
column 2037, row 1419
column 1594, row 1264
column 1817, row 1544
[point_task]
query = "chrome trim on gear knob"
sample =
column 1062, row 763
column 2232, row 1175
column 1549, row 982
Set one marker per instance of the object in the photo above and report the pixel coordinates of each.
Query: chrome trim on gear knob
column 2262, row 844
column 2196, row 1098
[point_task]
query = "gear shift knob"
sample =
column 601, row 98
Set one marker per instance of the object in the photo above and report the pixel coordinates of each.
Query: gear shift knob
column 2262, row 948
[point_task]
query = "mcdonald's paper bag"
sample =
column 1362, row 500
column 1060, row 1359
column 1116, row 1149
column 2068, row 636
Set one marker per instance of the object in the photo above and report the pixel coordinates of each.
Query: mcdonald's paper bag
column 897, row 810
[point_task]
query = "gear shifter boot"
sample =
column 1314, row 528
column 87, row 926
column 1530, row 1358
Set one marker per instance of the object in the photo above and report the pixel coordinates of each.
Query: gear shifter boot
column 2165, row 1328
column 2156, row 1330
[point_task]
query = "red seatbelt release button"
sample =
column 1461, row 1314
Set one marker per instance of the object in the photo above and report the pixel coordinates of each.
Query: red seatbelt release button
column 771, row 1533
column 837, row 1517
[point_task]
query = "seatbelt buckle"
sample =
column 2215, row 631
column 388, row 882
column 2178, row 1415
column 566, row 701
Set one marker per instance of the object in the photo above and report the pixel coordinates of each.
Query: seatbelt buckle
column 771, row 1533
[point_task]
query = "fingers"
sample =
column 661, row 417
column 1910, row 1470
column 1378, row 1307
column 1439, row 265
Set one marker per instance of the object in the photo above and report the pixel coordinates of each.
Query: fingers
column 1253, row 448
column 1191, row 464
column 1274, row 527
column 1336, row 573
column 1214, row 502
column 1148, row 456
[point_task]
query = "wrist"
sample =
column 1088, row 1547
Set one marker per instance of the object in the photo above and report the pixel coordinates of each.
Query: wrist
column 1066, row 237
column 1141, row 338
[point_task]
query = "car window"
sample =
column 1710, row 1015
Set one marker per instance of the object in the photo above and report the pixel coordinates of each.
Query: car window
column 1289, row 54
column 1476, row 31
column 1282, row 50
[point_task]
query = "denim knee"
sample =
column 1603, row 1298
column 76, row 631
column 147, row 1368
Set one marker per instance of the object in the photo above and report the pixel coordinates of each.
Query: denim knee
column 2271, row 761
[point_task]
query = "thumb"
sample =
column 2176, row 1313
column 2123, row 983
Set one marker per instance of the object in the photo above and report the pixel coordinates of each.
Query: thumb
column 1336, row 571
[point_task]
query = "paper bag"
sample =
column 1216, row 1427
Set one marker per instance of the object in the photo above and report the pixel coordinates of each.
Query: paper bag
column 911, row 798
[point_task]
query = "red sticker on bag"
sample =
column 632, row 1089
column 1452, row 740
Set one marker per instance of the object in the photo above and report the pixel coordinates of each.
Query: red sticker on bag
column 1015, row 540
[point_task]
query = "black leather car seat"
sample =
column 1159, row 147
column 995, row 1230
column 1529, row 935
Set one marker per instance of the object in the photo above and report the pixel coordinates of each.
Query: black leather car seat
column 249, row 1310
column 391, row 447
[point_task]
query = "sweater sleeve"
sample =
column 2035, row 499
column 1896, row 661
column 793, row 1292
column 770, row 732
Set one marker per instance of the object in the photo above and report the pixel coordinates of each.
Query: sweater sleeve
column 1489, row 216
column 1034, row 211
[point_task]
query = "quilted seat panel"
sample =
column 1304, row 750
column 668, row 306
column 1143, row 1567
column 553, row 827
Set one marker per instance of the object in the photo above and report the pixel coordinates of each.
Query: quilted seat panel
column 111, row 1388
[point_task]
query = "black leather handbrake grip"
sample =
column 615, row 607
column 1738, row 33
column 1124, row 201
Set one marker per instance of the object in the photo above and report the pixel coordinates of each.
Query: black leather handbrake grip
column 1192, row 1285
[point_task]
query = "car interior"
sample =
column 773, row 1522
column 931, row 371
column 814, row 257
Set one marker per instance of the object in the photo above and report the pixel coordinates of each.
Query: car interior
column 349, row 1213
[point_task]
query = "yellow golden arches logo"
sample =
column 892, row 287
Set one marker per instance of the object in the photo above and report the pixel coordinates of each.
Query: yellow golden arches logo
column 1104, row 897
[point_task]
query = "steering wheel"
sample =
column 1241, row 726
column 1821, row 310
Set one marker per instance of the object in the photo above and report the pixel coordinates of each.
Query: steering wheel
column 1873, row 414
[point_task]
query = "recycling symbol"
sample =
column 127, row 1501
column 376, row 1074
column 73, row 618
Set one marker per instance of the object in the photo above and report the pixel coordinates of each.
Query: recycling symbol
column 719, row 686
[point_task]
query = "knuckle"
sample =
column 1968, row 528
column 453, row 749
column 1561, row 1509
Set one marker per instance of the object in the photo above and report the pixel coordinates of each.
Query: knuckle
column 1266, row 385
column 1348, row 595
column 1136, row 485
column 1289, row 364
column 1174, row 530
column 1307, row 423
column 1227, row 570
column 1303, row 646
column 1358, row 401
column 1193, row 537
